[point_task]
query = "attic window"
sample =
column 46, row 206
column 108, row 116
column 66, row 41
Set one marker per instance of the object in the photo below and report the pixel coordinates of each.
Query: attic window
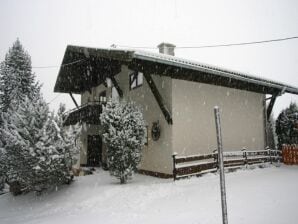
column 135, row 80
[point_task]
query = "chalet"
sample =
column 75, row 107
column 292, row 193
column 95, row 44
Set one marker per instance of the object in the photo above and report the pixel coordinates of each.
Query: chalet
column 177, row 97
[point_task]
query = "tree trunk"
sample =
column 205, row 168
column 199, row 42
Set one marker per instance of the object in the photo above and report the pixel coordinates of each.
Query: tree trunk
column 15, row 188
column 123, row 179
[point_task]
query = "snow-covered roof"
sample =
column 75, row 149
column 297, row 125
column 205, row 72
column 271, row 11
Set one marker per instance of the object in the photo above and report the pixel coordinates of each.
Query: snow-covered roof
column 133, row 56
column 190, row 64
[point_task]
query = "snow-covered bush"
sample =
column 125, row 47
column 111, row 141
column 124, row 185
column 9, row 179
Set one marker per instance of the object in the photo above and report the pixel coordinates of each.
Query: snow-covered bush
column 36, row 155
column 124, row 134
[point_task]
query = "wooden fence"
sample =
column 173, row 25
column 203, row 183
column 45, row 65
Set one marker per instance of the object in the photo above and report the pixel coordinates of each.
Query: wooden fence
column 184, row 166
column 290, row 154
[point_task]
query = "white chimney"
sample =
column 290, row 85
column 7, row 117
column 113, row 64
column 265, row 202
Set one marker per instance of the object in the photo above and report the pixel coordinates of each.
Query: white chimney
column 166, row 48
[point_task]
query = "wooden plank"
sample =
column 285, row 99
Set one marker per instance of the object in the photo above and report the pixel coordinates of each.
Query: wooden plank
column 158, row 98
column 270, row 106
column 74, row 100
column 194, row 158
column 196, row 168
column 116, row 85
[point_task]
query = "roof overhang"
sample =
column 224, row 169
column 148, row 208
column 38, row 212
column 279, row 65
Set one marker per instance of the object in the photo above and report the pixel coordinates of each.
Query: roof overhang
column 83, row 68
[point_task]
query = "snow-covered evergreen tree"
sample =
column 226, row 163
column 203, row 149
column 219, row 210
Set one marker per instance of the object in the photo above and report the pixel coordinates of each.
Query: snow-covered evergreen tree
column 286, row 126
column 2, row 168
column 70, row 137
column 35, row 157
column 17, row 80
column 271, row 136
column 124, row 134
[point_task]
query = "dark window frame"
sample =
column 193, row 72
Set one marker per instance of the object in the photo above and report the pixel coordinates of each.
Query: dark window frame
column 147, row 136
column 134, row 77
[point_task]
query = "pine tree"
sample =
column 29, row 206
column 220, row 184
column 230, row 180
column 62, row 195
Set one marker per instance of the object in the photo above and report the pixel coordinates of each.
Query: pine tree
column 287, row 126
column 35, row 157
column 17, row 80
column 124, row 134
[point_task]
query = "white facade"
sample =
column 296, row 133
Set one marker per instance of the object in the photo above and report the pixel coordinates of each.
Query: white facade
column 193, row 130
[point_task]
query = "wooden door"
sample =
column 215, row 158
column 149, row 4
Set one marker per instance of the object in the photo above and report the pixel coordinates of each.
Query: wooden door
column 94, row 150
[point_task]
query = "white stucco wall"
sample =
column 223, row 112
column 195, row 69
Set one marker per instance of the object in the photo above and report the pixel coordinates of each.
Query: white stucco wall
column 242, row 118
column 90, row 129
column 193, row 129
column 156, row 155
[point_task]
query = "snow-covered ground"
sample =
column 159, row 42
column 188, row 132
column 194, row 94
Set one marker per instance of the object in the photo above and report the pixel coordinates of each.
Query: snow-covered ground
column 256, row 196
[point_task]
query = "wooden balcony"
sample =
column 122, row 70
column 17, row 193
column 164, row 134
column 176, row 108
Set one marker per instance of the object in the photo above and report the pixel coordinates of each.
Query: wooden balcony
column 87, row 113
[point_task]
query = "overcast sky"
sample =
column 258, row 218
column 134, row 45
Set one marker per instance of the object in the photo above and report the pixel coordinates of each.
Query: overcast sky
column 46, row 27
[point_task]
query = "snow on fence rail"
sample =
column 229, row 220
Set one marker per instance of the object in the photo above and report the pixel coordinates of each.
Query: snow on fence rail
column 184, row 166
column 290, row 154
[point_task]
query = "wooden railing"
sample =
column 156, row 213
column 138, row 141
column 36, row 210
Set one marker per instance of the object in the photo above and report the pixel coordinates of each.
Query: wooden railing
column 184, row 166
column 88, row 113
column 290, row 154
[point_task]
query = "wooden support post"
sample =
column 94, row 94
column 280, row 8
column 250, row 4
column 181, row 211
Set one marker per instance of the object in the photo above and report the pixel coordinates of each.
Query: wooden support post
column 174, row 166
column 116, row 85
column 159, row 99
column 270, row 106
column 74, row 100
column 221, row 166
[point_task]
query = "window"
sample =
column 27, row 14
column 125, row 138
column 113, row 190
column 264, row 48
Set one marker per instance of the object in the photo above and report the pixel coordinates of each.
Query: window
column 103, row 97
column 135, row 80
column 146, row 135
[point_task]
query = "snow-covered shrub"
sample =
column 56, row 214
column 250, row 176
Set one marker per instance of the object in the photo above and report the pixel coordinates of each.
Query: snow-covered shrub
column 37, row 156
column 124, row 134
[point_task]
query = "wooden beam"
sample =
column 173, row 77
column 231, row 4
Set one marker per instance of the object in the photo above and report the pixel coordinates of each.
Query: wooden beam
column 198, row 76
column 74, row 100
column 116, row 85
column 159, row 98
column 270, row 106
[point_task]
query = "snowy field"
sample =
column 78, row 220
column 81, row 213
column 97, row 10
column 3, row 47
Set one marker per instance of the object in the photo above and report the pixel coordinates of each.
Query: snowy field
column 253, row 197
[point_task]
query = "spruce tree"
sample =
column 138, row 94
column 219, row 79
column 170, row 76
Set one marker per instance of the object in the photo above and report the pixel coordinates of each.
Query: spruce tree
column 17, row 80
column 287, row 126
column 69, row 137
column 124, row 134
column 35, row 157
column 271, row 136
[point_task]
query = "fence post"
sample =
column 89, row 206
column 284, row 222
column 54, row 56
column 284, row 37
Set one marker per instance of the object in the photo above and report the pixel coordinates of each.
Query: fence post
column 216, row 158
column 269, row 152
column 174, row 166
column 244, row 156
column 221, row 166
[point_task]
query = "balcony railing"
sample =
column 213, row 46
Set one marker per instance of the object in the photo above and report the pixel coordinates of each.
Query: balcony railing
column 87, row 113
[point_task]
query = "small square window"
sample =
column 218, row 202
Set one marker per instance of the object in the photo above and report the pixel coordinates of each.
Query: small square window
column 135, row 80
